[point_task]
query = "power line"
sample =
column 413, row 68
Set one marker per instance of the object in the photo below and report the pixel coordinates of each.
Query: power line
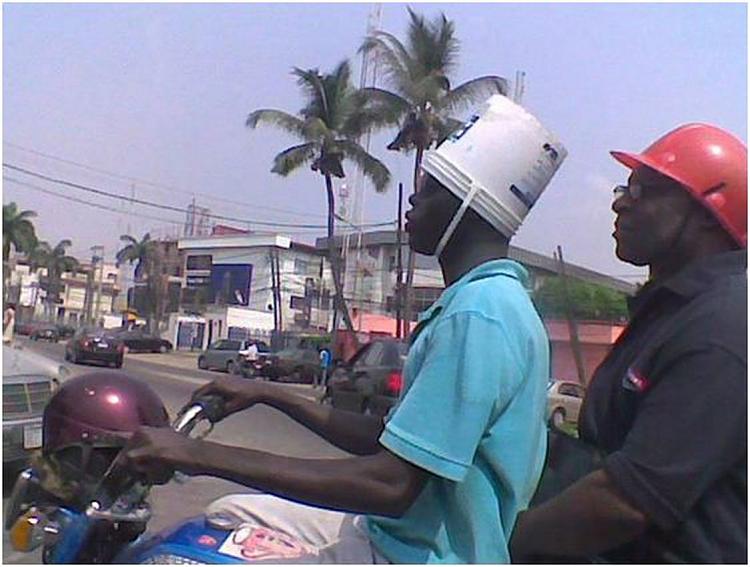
column 168, row 207
column 114, row 210
column 157, row 185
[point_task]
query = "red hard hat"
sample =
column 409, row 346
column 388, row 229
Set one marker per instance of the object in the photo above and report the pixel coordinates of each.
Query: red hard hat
column 710, row 163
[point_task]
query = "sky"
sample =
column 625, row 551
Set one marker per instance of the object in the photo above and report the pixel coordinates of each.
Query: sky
column 150, row 101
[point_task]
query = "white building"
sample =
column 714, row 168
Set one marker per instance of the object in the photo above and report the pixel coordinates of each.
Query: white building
column 372, row 267
column 228, row 288
column 88, row 292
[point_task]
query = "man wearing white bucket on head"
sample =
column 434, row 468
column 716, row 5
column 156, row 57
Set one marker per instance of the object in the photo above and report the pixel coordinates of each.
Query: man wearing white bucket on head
column 443, row 477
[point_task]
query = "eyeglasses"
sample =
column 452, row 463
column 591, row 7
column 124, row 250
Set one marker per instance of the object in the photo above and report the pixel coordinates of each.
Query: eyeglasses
column 632, row 190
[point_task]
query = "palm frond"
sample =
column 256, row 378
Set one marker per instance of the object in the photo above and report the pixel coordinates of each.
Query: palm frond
column 432, row 44
column 445, row 127
column 61, row 246
column 281, row 119
column 292, row 158
column 384, row 101
column 311, row 82
column 471, row 92
column 394, row 59
column 371, row 167
column 373, row 109
column 429, row 90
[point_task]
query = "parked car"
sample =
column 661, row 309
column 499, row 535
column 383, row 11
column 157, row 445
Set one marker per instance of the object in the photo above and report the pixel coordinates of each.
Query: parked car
column 65, row 331
column 293, row 365
column 29, row 379
column 138, row 340
column 45, row 333
column 564, row 401
column 223, row 355
column 371, row 381
column 95, row 345
column 24, row 327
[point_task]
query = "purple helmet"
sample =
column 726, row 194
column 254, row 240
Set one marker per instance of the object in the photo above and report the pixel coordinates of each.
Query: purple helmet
column 101, row 409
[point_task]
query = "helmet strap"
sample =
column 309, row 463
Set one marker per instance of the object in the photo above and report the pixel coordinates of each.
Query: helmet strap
column 451, row 228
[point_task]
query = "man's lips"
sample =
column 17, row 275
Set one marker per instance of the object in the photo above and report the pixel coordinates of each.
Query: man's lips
column 622, row 226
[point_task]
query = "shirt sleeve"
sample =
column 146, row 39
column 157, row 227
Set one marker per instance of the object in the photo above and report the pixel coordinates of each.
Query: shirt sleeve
column 690, row 429
column 469, row 373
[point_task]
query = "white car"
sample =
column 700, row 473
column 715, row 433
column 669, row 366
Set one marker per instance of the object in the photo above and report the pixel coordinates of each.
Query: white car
column 564, row 401
column 29, row 379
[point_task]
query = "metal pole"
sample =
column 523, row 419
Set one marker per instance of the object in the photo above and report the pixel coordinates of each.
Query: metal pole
column 100, row 259
column 399, row 262
column 575, row 344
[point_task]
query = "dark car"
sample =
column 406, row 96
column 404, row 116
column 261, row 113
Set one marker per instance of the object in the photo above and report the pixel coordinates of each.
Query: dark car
column 24, row 327
column 371, row 381
column 45, row 333
column 95, row 345
column 141, row 341
column 293, row 365
column 65, row 331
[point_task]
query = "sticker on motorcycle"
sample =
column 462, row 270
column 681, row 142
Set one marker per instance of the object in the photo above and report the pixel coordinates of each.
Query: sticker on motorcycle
column 257, row 543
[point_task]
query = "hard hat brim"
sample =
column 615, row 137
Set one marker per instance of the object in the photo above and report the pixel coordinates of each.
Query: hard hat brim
column 634, row 161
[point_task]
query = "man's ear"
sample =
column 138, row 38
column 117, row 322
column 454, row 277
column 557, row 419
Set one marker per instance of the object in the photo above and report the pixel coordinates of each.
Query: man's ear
column 705, row 220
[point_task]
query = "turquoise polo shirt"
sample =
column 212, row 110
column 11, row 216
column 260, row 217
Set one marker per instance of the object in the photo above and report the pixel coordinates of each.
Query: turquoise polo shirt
column 472, row 413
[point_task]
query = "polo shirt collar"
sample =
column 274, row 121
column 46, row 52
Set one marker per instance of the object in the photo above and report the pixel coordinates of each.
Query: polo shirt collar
column 493, row 268
column 695, row 278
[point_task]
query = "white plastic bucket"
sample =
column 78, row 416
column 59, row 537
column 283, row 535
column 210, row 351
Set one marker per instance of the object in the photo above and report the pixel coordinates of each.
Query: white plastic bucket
column 502, row 160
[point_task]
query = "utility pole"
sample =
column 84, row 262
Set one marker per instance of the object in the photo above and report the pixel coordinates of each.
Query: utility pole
column 278, row 290
column 98, row 256
column 399, row 264
column 272, row 266
column 88, row 300
column 575, row 344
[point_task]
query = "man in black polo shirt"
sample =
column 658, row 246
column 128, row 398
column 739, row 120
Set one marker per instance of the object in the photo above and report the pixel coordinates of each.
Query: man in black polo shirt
column 667, row 409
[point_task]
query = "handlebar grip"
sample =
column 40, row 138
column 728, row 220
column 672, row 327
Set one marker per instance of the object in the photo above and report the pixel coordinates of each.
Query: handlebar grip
column 213, row 406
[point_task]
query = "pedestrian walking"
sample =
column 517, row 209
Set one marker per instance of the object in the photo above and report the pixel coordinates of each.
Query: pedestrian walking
column 325, row 363
column 9, row 322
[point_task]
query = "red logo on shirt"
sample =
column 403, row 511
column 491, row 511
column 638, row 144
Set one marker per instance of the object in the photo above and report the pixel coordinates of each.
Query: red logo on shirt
column 634, row 380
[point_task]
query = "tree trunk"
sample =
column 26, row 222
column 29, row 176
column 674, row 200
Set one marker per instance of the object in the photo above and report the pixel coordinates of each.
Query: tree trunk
column 408, row 308
column 339, row 303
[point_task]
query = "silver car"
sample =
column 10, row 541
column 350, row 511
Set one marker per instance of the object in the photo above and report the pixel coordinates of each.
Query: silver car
column 223, row 355
column 29, row 379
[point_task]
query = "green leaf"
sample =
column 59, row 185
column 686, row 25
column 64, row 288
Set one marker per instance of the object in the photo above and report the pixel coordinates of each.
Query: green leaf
column 292, row 158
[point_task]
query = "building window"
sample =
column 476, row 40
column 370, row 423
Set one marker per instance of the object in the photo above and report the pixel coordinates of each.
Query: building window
column 297, row 302
column 202, row 262
column 424, row 297
column 325, row 299
column 300, row 267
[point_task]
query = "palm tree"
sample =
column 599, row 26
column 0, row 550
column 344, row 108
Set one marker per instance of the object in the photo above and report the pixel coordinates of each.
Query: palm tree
column 143, row 253
column 422, row 98
column 18, row 230
column 57, row 262
column 328, row 126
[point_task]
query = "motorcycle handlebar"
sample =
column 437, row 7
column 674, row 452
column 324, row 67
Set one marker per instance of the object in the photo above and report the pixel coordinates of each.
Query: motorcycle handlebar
column 209, row 407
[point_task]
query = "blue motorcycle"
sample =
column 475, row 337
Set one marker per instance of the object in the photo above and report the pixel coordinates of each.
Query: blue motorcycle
column 107, row 523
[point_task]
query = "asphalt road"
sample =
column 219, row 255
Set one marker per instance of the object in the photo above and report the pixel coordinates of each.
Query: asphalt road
column 260, row 428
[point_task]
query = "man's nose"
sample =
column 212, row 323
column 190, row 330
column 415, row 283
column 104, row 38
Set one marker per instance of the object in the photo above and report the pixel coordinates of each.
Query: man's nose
column 621, row 202
column 413, row 199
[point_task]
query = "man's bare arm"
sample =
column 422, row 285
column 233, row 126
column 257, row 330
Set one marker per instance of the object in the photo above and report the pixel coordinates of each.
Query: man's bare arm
column 589, row 517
